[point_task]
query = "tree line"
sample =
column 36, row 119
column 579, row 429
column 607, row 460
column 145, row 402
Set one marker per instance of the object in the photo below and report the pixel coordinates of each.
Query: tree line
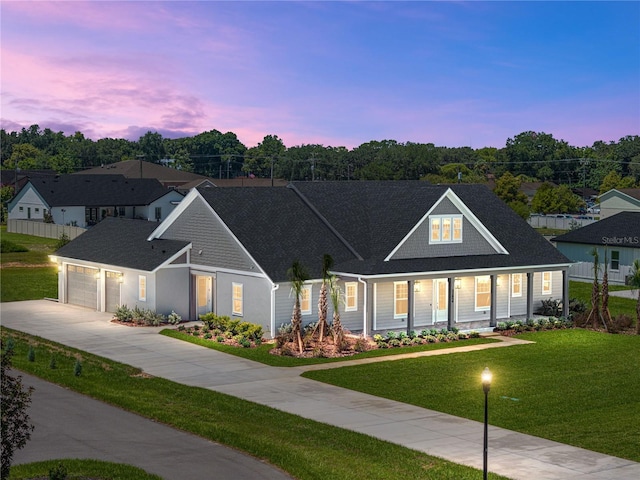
column 529, row 156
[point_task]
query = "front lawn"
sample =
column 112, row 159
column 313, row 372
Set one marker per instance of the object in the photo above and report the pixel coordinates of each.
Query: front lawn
column 304, row 448
column 573, row 386
column 32, row 283
column 617, row 305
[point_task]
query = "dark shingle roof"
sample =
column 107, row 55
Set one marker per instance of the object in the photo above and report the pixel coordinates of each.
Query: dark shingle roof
column 132, row 169
column 98, row 190
column 366, row 221
column 122, row 242
column 622, row 229
column 276, row 227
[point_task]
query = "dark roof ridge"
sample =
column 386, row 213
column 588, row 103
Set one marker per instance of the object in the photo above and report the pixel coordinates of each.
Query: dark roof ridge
column 326, row 222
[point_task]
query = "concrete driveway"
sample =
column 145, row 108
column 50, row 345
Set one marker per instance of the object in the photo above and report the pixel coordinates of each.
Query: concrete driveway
column 511, row 454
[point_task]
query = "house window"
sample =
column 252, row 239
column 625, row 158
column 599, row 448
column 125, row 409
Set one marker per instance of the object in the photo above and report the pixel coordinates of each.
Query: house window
column 483, row 292
column 237, row 299
column 21, row 209
column 37, row 210
column 142, row 288
column 445, row 229
column 158, row 213
column 435, row 230
column 516, row 285
column 546, row 283
column 305, row 300
column 615, row 260
column 121, row 211
column 457, row 229
column 400, row 299
column 351, row 296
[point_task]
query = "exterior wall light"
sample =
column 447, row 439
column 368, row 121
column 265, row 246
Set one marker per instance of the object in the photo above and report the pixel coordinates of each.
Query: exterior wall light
column 457, row 283
column 417, row 286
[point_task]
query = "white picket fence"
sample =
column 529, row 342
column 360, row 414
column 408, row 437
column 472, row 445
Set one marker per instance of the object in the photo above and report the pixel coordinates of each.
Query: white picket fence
column 41, row 229
column 584, row 271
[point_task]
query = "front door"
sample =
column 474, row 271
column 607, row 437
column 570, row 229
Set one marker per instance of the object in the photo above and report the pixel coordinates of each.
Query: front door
column 204, row 294
column 440, row 300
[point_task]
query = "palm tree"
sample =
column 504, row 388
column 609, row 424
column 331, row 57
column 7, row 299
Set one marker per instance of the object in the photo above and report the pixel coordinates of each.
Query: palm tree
column 321, row 327
column 297, row 276
column 336, row 298
column 595, row 314
column 634, row 281
column 606, row 315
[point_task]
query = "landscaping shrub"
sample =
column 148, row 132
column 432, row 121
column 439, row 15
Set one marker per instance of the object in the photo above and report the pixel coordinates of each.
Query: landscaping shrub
column 550, row 307
column 62, row 241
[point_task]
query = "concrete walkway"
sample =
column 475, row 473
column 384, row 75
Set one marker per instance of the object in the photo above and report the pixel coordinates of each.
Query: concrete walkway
column 511, row 454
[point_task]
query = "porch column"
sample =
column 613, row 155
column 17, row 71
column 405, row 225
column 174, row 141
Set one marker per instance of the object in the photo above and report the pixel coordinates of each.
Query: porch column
column 410, row 297
column 529, row 295
column 565, row 293
column 450, row 311
column 494, row 296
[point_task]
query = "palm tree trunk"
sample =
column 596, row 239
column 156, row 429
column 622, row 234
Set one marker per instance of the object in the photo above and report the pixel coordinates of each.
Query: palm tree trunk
column 322, row 311
column 638, row 314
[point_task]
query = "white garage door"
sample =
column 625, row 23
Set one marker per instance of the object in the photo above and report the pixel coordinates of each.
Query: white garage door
column 112, row 291
column 82, row 286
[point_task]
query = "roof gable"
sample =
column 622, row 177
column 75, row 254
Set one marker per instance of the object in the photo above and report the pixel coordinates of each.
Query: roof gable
column 123, row 242
column 476, row 238
column 630, row 195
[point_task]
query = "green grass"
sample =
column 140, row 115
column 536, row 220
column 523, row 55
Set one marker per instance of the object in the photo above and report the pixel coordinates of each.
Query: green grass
column 304, row 448
column 617, row 305
column 19, row 283
column 261, row 354
column 75, row 468
column 577, row 387
column 550, row 231
column 24, row 275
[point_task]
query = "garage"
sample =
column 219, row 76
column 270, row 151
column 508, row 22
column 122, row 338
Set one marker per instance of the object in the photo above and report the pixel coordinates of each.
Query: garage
column 82, row 286
column 112, row 290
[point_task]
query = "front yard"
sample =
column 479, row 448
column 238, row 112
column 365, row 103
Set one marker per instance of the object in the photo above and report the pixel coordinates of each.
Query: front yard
column 573, row 386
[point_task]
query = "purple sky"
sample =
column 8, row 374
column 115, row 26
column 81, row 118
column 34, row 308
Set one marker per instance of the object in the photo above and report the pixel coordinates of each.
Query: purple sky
column 333, row 73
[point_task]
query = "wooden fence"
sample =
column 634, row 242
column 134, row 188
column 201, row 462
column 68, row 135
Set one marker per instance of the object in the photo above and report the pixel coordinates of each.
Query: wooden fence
column 41, row 229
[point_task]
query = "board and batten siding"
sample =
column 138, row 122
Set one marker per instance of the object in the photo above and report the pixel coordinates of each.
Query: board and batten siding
column 213, row 245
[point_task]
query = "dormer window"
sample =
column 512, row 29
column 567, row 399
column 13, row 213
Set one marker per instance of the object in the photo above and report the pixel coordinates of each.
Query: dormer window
column 445, row 229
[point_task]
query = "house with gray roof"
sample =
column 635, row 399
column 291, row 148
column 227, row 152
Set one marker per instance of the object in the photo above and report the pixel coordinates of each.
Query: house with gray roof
column 623, row 200
column 617, row 240
column 84, row 200
column 408, row 255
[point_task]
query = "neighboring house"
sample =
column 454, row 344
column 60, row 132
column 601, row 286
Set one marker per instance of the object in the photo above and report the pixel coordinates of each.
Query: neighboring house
column 19, row 178
column 168, row 177
column 616, row 237
column 615, row 201
column 174, row 178
column 84, row 200
column 408, row 255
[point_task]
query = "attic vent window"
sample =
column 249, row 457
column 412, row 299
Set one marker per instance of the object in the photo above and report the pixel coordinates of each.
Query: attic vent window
column 445, row 229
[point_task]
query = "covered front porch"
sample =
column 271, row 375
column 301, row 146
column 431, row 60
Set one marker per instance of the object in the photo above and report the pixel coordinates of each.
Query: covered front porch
column 465, row 302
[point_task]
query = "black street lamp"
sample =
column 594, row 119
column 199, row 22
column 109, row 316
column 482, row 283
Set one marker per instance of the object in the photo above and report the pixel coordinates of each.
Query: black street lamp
column 486, row 385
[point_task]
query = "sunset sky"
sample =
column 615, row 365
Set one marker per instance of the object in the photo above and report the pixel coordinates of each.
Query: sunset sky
column 332, row 73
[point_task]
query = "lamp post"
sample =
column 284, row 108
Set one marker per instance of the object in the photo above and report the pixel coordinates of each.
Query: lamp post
column 486, row 385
